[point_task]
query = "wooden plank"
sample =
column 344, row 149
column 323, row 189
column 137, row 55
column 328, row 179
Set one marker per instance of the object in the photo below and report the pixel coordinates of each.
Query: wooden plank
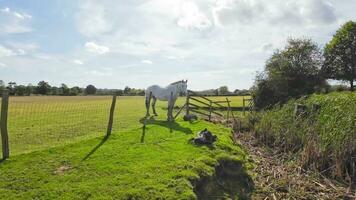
column 180, row 110
column 187, row 104
column 3, row 124
column 195, row 99
column 220, row 101
column 232, row 113
column 197, row 111
column 111, row 116
column 198, row 95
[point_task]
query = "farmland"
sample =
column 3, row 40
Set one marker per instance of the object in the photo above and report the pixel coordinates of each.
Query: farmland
column 58, row 148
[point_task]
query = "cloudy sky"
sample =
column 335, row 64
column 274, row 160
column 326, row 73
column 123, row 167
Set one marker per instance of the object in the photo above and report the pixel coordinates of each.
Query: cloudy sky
column 112, row 44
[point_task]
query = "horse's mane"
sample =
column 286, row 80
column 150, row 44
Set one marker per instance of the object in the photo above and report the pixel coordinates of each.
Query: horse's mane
column 176, row 82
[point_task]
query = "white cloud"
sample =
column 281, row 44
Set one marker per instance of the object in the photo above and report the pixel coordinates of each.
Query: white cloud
column 78, row 62
column 2, row 65
column 5, row 10
column 95, row 48
column 92, row 19
column 191, row 17
column 22, row 16
column 14, row 22
column 7, row 52
column 147, row 62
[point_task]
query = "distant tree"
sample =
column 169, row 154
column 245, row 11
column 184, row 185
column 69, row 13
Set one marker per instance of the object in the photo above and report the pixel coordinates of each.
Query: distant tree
column 64, row 90
column 119, row 92
column 43, row 88
column 289, row 73
column 90, row 89
column 20, row 90
column 340, row 55
column 74, row 91
column 55, row 90
column 2, row 86
column 127, row 90
column 11, row 87
column 29, row 90
column 223, row 90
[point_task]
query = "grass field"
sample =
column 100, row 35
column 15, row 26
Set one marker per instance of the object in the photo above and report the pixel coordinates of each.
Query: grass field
column 59, row 150
column 40, row 122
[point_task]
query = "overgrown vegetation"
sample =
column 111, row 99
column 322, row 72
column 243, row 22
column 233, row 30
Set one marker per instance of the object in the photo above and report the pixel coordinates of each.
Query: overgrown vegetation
column 289, row 73
column 323, row 139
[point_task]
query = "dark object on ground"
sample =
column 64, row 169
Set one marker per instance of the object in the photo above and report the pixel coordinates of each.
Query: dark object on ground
column 205, row 137
column 190, row 117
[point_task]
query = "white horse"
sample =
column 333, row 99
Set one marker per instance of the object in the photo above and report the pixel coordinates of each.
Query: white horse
column 169, row 93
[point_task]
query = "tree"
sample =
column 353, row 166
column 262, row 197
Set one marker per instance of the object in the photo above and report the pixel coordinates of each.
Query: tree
column 11, row 87
column 20, row 90
column 43, row 88
column 64, row 90
column 29, row 89
column 127, row 91
column 289, row 73
column 340, row 55
column 74, row 91
column 90, row 89
column 2, row 86
column 223, row 90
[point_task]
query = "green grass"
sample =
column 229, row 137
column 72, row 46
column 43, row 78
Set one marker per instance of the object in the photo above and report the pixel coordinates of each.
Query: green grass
column 326, row 140
column 161, row 164
column 41, row 122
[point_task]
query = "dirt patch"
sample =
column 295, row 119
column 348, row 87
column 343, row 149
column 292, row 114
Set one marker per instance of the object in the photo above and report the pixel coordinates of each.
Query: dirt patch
column 62, row 169
column 230, row 181
column 280, row 178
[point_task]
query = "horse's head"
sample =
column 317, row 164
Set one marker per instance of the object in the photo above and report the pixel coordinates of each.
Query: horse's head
column 182, row 86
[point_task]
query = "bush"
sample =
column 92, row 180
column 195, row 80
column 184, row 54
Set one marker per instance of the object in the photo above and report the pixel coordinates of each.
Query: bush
column 325, row 140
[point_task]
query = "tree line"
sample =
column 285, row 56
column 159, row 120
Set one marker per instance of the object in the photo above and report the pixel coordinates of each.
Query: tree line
column 302, row 68
column 44, row 88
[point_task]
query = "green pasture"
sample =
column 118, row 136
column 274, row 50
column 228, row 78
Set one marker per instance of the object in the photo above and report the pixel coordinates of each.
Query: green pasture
column 58, row 151
column 41, row 122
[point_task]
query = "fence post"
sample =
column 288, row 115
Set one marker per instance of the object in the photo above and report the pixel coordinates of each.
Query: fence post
column 3, row 124
column 187, row 105
column 111, row 116
column 210, row 109
column 243, row 105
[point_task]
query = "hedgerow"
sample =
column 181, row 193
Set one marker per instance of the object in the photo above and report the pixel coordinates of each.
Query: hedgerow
column 324, row 139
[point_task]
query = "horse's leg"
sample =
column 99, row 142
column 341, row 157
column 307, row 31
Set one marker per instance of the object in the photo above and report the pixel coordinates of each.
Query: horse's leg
column 148, row 102
column 172, row 106
column 169, row 110
column 154, row 105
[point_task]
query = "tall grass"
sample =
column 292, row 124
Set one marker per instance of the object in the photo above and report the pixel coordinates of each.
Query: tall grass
column 324, row 139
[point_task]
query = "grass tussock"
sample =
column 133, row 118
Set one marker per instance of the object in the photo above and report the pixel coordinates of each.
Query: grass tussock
column 324, row 139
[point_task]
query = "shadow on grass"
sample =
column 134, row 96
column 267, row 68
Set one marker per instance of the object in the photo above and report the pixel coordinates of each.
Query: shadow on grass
column 230, row 181
column 2, row 160
column 96, row 147
column 172, row 126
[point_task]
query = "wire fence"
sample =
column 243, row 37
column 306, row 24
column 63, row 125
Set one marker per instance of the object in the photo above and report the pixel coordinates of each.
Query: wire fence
column 39, row 122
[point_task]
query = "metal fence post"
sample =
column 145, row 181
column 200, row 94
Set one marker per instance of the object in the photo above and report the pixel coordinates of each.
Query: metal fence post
column 111, row 116
column 3, row 124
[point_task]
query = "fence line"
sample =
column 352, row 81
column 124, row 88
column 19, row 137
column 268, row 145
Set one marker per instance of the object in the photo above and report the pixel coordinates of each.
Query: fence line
column 36, row 123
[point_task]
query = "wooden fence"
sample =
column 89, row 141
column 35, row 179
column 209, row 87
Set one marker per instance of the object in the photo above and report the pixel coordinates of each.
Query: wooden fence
column 206, row 107
column 203, row 105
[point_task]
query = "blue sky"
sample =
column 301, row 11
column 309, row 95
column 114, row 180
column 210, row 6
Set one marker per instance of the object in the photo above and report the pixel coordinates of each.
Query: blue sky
column 137, row 43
